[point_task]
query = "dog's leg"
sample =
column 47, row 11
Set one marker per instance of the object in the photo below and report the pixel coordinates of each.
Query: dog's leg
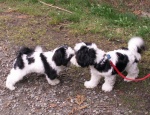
column 132, row 71
column 52, row 82
column 13, row 77
column 95, row 79
column 109, row 83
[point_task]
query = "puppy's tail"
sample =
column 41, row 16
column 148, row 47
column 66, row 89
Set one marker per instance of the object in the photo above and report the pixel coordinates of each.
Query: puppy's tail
column 19, row 60
column 25, row 50
column 136, row 45
column 38, row 49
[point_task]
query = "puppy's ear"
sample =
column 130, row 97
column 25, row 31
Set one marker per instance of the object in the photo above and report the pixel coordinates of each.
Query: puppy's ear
column 59, row 56
column 92, row 55
column 85, row 56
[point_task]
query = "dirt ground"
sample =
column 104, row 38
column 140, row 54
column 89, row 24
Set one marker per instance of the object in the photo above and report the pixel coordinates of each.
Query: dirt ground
column 34, row 96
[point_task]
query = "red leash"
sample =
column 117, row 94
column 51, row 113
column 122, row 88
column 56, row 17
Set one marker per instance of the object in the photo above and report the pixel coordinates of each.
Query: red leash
column 124, row 77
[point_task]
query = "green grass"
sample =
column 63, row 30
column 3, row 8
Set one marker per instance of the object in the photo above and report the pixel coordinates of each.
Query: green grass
column 114, row 17
column 87, row 17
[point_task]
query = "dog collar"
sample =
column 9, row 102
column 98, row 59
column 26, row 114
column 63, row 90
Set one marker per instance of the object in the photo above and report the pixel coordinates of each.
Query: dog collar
column 105, row 57
column 108, row 56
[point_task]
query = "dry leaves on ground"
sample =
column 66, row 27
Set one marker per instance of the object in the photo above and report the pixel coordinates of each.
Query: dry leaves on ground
column 80, row 99
column 52, row 105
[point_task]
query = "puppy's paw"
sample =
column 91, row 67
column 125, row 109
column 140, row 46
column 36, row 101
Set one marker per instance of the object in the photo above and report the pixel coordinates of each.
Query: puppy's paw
column 11, row 87
column 107, row 87
column 55, row 82
column 128, row 80
column 89, row 84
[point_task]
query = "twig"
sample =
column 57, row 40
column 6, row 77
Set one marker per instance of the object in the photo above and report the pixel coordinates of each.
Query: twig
column 82, row 107
column 55, row 7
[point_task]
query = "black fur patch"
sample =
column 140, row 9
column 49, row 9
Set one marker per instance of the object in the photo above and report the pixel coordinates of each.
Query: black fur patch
column 60, row 57
column 30, row 60
column 88, row 44
column 25, row 50
column 49, row 71
column 19, row 61
column 85, row 56
column 103, row 67
column 122, row 62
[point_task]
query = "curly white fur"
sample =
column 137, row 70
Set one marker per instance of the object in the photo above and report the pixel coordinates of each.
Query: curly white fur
column 16, row 73
column 132, row 54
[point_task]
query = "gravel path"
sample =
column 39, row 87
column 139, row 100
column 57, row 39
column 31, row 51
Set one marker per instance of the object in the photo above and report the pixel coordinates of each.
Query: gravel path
column 34, row 96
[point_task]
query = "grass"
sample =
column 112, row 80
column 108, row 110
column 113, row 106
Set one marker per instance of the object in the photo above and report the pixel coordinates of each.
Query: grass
column 88, row 17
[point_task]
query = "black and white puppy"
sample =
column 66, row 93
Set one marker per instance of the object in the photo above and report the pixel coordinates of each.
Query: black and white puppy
column 125, row 59
column 49, row 63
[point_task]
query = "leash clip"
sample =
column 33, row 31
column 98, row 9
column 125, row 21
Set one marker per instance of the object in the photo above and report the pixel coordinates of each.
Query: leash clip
column 108, row 56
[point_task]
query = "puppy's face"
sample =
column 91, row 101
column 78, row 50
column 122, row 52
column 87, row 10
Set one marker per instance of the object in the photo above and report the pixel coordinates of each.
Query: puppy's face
column 85, row 54
column 62, row 55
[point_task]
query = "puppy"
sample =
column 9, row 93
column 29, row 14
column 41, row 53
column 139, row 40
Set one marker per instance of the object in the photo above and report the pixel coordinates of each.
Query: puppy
column 49, row 63
column 125, row 59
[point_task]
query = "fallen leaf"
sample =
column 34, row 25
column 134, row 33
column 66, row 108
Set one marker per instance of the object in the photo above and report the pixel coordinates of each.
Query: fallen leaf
column 77, row 109
column 73, row 110
column 137, row 12
column 82, row 107
column 52, row 105
column 22, row 17
column 80, row 99
column 7, row 104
